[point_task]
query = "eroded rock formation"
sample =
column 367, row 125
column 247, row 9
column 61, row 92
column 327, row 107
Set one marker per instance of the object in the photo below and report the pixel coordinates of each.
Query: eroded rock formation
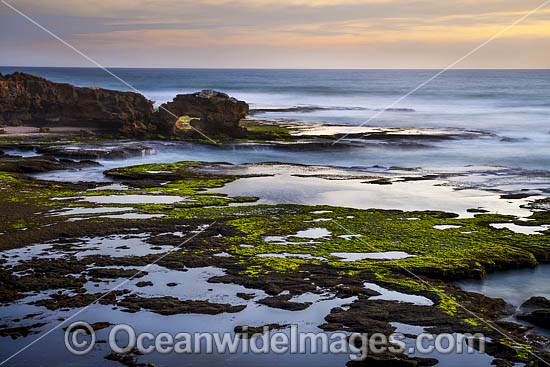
column 30, row 100
column 33, row 101
column 209, row 111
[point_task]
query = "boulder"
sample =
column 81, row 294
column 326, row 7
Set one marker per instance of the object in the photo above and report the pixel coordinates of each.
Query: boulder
column 536, row 302
column 209, row 111
column 33, row 101
column 536, row 310
column 538, row 317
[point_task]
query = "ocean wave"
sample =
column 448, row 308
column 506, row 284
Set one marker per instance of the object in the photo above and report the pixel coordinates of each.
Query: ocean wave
column 306, row 109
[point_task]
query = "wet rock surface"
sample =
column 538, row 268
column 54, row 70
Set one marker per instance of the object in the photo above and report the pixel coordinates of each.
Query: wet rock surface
column 246, row 331
column 213, row 229
column 173, row 306
column 109, row 152
column 283, row 302
column 38, row 164
column 537, row 317
column 536, row 302
column 19, row 331
column 536, row 310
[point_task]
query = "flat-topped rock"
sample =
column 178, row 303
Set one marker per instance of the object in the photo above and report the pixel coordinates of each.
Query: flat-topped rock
column 33, row 101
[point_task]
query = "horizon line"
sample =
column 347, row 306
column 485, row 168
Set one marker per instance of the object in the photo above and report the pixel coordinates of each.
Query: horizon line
column 255, row 68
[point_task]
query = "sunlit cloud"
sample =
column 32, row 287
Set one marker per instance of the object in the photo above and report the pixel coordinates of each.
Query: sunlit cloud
column 290, row 27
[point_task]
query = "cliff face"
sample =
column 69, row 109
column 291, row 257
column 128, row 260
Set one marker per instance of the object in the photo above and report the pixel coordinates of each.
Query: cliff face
column 29, row 100
column 33, row 101
column 212, row 112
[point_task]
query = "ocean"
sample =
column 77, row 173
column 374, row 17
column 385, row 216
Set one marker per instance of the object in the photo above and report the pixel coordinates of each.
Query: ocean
column 511, row 106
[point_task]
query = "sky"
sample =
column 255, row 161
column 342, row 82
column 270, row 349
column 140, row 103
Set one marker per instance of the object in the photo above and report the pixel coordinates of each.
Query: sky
column 339, row 34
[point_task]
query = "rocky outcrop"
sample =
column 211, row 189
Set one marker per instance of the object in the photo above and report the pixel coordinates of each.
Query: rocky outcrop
column 33, row 101
column 209, row 111
column 30, row 100
column 536, row 310
column 39, row 164
column 536, row 302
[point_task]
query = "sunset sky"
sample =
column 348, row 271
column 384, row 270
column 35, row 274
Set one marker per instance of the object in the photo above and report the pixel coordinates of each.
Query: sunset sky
column 276, row 33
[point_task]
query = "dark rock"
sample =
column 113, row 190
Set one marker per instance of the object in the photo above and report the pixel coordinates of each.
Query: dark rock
column 502, row 363
column 172, row 306
column 113, row 273
column 121, row 152
column 144, row 284
column 380, row 181
column 283, row 302
column 38, row 164
column 537, row 317
column 65, row 301
column 536, row 310
column 19, row 331
column 34, row 101
column 393, row 360
column 96, row 326
column 250, row 331
column 214, row 112
column 536, row 302
column 477, row 210
column 515, row 196
column 513, row 327
column 245, row 296
column 123, row 359
column 85, row 133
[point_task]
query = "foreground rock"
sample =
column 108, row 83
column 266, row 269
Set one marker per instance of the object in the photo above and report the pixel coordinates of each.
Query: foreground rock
column 536, row 302
column 38, row 164
column 34, row 101
column 536, row 310
column 209, row 111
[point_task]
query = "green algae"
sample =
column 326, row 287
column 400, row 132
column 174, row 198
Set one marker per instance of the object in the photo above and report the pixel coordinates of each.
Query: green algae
column 262, row 131
column 521, row 351
column 468, row 251
column 146, row 169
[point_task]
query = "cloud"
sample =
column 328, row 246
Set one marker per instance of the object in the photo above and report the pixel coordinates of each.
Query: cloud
column 289, row 27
